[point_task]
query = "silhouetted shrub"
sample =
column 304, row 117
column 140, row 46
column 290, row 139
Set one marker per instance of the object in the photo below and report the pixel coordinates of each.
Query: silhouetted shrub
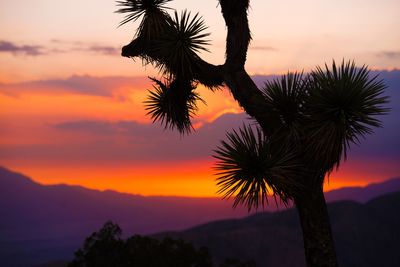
column 105, row 248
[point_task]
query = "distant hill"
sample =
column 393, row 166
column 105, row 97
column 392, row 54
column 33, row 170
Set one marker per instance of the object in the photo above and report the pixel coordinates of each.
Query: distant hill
column 365, row 235
column 364, row 194
column 41, row 223
column 44, row 223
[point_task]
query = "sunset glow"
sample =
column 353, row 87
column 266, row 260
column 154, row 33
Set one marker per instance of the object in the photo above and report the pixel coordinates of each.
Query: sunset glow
column 71, row 109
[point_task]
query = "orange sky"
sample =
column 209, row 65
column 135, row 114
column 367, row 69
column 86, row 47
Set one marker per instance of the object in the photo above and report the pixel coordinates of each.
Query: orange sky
column 49, row 131
column 184, row 178
column 71, row 109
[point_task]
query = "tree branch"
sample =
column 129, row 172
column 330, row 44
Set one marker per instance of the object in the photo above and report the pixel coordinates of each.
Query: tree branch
column 232, row 73
column 206, row 73
column 243, row 89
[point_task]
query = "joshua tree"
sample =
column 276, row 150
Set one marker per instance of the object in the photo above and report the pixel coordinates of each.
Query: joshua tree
column 304, row 123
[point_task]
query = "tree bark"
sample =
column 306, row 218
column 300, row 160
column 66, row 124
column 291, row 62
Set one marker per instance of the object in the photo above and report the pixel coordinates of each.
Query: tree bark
column 317, row 234
column 242, row 87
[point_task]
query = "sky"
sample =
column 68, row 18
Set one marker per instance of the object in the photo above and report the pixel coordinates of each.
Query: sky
column 71, row 108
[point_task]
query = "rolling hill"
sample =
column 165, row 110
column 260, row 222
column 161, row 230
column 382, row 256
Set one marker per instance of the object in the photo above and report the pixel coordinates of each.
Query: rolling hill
column 43, row 223
column 365, row 235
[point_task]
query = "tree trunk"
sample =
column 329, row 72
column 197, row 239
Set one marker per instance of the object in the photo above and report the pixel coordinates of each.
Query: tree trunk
column 317, row 234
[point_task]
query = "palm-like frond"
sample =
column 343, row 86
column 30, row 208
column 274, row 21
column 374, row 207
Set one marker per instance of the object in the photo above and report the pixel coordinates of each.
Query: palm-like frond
column 136, row 8
column 343, row 104
column 173, row 103
column 248, row 170
column 180, row 45
column 286, row 96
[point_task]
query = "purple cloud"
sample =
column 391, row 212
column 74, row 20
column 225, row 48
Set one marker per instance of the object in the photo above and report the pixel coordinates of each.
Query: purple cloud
column 389, row 54
column 57, row 47
column 77, row 46
column 143, row 142
column 28, row 50
column 102, row 49
column 126, row 142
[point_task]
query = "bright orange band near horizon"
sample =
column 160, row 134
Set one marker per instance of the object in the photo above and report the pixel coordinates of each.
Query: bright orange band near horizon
column 189, row 179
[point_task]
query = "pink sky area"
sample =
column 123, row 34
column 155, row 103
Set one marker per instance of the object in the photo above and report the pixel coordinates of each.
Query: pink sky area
column 71, row 109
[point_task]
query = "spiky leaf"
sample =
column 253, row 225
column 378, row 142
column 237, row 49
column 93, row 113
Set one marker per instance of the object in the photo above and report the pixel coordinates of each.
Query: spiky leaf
column 286, row 96
column 343, row 104
column 153, row 27
column 173, row 103
column 180, row 45
column 134, row 9
column 248, row 171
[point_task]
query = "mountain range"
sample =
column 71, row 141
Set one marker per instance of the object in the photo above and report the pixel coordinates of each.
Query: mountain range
column 41, row 223
column 365, row 235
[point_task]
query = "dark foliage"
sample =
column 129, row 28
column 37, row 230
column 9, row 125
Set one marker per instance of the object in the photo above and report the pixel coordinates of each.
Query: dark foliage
column 342, row 106
column 321, row 115
column 105, row 248
column 248, row 169
column 173, row 103
column 171, row 44
column 183, row 40
column 287, row 96
column 137, row 8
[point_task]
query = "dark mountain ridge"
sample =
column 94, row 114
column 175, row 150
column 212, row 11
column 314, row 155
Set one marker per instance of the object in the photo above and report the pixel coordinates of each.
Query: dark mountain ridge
column 41, row 223
column 365, row 235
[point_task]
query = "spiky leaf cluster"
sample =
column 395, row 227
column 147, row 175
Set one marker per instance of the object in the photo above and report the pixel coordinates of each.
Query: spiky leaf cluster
column 170, row 44
column 343, row 104
column 134, row 9
column 249, row 171
column 286, row 96
column 321, row 115
column 183, row 40
column 173, row 103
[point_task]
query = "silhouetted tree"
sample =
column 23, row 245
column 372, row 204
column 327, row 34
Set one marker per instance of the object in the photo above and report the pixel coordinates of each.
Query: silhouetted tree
column 106, row 248
column 102, row 248
column 305, row 123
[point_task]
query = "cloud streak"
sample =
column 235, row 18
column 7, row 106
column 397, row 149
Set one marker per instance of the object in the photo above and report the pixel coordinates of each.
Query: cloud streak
column 389, row 54
column 57, row 47
column 263, row 48
column 106, row 50
column 133, row 141
column 14, row 49
column 102, row 49
column 86, row 85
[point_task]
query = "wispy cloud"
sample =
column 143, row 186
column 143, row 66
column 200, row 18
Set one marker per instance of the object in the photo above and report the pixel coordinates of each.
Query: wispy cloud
column 131, row 140
column 263, row 48
column 389, row 54
column 57, row 47
column 77, row 46
column 99, row 49
column 85, row 85
column 106, row 50
column 28, row 50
